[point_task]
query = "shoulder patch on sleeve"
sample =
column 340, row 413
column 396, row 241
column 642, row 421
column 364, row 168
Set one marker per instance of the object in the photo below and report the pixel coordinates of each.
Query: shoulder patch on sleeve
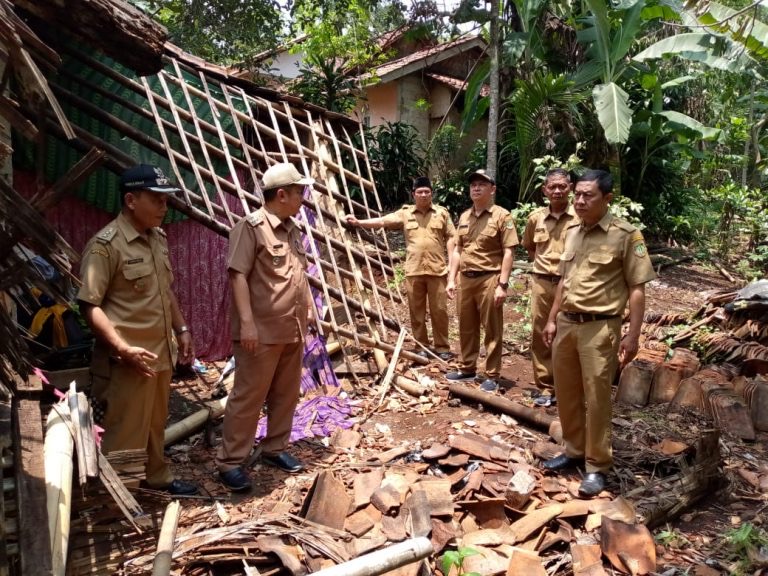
column 255, row 218
column 99, row 251
column 161, row 232
column 639, row 249
column 106, row 235
column 509, row 222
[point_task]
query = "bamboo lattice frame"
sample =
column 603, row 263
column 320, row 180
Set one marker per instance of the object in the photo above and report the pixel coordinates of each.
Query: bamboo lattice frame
column 218, row 137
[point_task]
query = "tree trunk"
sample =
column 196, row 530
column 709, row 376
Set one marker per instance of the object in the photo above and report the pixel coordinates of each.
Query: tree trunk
column 493, row 109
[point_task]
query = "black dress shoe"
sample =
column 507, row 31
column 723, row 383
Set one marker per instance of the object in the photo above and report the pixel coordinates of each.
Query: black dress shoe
column 593, row 484
column 561, row 462
column 180, row 488
column 236, row 480
column 445, row 356
column 284, row 461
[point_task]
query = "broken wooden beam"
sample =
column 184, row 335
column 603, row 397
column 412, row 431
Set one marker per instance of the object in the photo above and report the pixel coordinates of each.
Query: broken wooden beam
column 383, row 561
column 538, row 418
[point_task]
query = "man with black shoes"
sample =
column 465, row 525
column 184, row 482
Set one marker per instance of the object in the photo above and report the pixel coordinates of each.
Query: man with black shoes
column 604, row 266
column 481, row 263
column 271, row 306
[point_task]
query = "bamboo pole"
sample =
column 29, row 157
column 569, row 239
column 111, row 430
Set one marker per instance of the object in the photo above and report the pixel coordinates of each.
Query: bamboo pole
column 164, row 556
column 58, row 450
column 383, row 561
column 376, row 238
column 192, row 423
column 179, row 128
column 313, row 245
column 280, row 138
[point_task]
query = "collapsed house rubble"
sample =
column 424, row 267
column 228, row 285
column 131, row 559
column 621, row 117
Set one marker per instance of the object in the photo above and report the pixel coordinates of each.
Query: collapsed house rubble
column 473, row 485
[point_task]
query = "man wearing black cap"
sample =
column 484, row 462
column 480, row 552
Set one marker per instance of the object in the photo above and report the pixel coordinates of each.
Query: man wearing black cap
column 480, row 267
column 126, row 298
column 429, row 232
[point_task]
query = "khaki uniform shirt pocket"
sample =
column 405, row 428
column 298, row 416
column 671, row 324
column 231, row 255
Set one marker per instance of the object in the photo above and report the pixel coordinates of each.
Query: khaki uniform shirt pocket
column 138, row 276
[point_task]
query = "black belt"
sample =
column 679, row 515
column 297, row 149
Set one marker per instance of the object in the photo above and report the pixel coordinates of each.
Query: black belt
column 478, row 273
column 551, row 277
column 582, row 317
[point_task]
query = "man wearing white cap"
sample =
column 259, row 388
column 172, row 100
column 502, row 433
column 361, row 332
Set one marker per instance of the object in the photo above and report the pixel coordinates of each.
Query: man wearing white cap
column 271, row 305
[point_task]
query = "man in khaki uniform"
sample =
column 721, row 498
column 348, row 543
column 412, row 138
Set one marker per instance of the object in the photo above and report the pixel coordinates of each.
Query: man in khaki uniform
column 482, row 261
column 604, row 265
column 127, row 299
column 271, row 304
column 544, row 238
column 429, row 232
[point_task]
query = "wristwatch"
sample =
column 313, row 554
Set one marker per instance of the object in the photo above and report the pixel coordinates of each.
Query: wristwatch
column 504, row 285
column 182, row 329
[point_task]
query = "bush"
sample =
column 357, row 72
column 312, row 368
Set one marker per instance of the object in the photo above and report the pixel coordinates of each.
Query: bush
column 397, row 157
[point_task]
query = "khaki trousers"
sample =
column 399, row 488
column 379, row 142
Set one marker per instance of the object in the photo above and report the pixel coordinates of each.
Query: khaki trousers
column 272, row 375
column 585, row 359
column 542, row 296
column 476, row 309
column 420, row 289
column 136, row 410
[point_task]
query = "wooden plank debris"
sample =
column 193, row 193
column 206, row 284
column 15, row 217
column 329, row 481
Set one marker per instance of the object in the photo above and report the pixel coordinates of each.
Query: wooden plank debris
column 34, row 538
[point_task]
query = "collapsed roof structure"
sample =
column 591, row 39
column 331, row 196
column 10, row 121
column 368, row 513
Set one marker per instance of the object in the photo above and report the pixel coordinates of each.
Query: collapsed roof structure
column 89, row 89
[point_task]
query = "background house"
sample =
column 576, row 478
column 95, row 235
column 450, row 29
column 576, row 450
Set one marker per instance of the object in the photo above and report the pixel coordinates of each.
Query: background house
column 424, row 88
column 422, row 82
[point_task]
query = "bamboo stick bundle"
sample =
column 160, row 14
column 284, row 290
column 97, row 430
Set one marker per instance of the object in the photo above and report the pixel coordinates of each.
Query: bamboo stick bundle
column 58, row 450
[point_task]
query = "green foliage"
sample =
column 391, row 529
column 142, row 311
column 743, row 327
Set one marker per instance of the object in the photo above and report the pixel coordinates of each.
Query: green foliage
column 442, row 150
column 397, row 157
column 324, row 82
column 450, row 186
column 544, row 108
column 671, row 538
column 455, row 558
column 221, row 31
column 628, row 210
column 745, row 543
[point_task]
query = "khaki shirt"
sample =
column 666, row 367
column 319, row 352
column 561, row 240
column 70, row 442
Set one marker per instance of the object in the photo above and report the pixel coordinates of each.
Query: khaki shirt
column 269, row 252
column 128, row 275
column 600, row 263
column 545, row 234
column 426, row 237
column 482, row 239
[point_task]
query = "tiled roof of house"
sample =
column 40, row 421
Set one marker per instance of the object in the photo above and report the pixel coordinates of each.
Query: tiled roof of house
column 423, row 58
column 456, row 83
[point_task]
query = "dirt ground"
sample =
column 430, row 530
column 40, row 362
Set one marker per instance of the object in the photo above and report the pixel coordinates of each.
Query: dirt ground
column 695, row 537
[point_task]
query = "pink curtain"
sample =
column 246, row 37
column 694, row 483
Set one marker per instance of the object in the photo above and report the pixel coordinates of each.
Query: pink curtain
column 198, row 255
